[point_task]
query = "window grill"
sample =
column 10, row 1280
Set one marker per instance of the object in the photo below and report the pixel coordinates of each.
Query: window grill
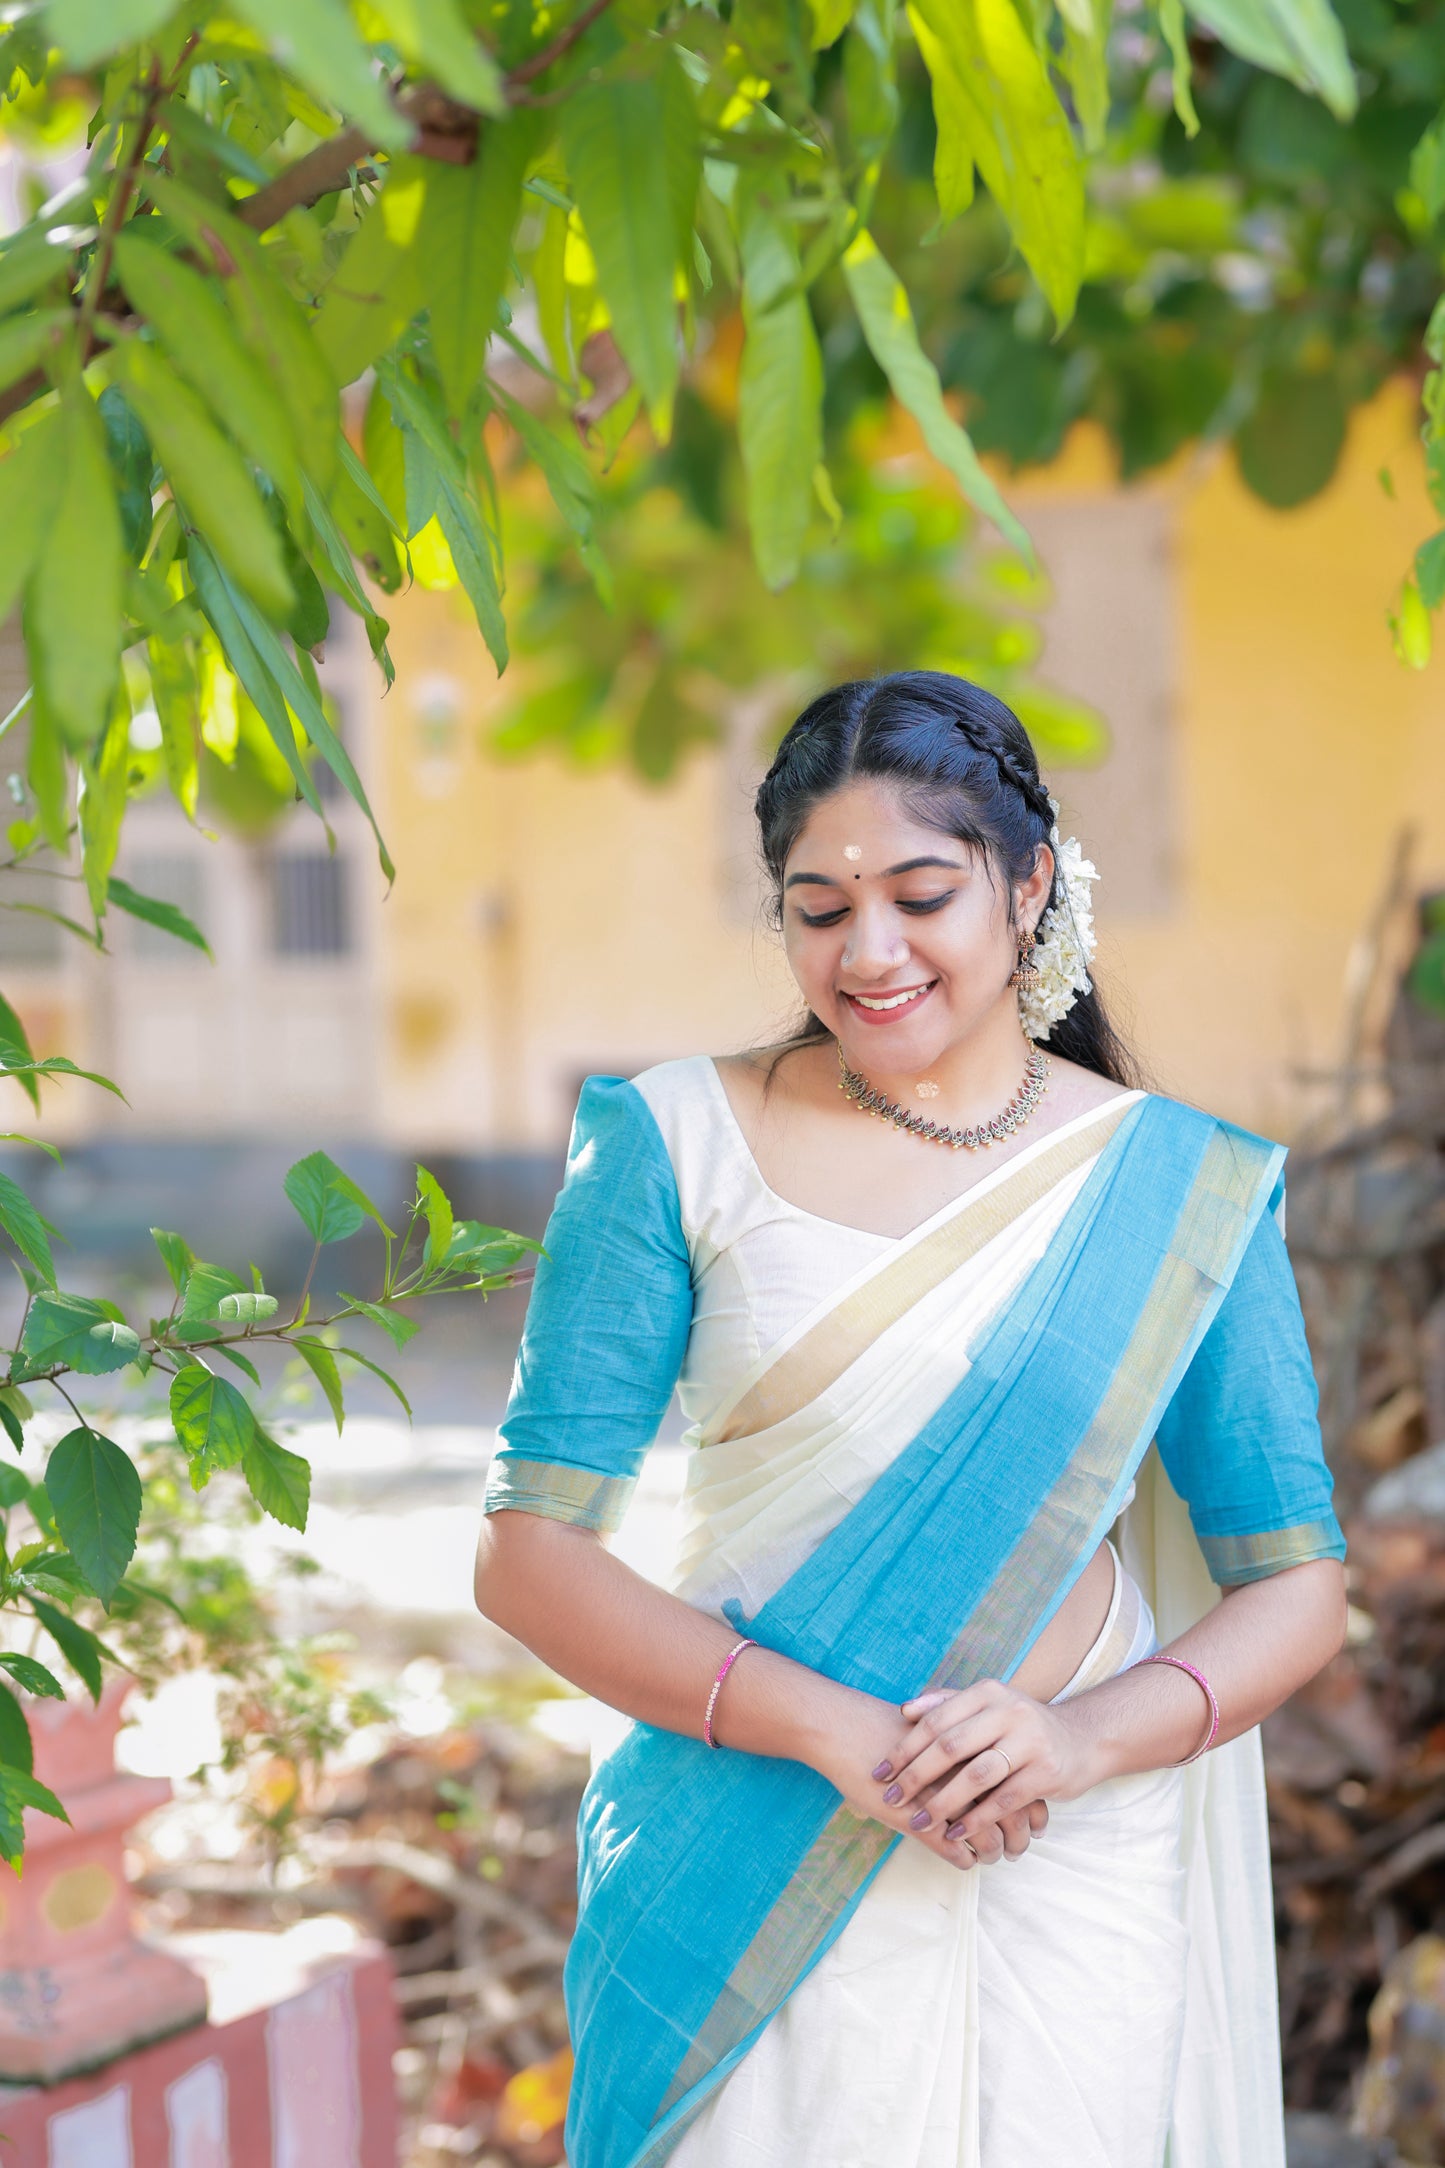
column 310, row 913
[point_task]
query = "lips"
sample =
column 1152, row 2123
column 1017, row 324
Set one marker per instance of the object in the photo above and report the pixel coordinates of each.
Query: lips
column 887, row 1007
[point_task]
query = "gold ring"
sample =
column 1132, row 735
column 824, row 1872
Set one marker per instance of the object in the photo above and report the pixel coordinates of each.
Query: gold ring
column 1007, row 1763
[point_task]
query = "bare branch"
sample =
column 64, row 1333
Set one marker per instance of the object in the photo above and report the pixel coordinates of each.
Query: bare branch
column 528, row 70
column 320, row 173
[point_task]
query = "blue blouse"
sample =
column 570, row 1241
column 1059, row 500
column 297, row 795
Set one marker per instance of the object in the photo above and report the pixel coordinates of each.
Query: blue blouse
column 612, row 1306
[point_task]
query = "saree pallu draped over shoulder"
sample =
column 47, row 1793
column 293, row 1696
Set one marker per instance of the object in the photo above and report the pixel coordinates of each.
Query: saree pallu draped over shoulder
column 711, row 1883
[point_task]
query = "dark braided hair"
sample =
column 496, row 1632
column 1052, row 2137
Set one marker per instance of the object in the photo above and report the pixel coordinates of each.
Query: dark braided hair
column 962, row 763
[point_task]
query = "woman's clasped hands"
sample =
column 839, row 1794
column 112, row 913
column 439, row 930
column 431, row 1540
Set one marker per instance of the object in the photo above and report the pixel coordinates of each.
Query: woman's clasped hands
column 977, row 1768
column 969, row 1775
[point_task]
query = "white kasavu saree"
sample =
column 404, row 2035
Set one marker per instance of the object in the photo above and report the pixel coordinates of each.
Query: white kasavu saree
column 904, row 1452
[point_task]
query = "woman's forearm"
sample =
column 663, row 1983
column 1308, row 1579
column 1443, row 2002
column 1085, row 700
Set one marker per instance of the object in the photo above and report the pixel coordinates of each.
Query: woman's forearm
column 1257, row 1646
column 620, row 1638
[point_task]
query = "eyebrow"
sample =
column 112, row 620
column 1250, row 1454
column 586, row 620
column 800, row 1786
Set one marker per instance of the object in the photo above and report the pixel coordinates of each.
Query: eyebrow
column 909, row 865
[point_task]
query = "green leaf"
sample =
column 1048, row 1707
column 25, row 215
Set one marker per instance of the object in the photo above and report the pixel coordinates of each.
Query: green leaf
column 439, row 1220
column 19, row 1790
column 830, row 20
column 208, row 475
column 212, row 1418
column 80, row 1648
column 13, row 1040
column 434, row 36
column 34, row 1678
column 995, row 105
column 14, row 1487
column 304, row 702
column 322, row 1365
column 1430, row 570
column 1176, row 37
column 17, row 1749
column 100, row 803
column 317, row 41
column 26, row 341
column 1427, row 168
column 33, row 260
column 1298, row 39
column 10, row 1418
column 279, row 1481
column 242, row 1362
column 195, row 328
column 464, row 243
column 1411, row 632
column 377, row 553
column 457, row 510
column 1290, row 445
column 377, row 287
column 397, row 1327
column 612, row 135
column 221, row 603
column 53, row 1065
column 95, row 1495
column 132, row 462
column 174, row 691
column 892, row 337
column 169, row 917
column 74, row 601
column 780, row 396
column 26, row 1229
column 205, row 1288
column 328, row 1200
column 72, row 1332
column 91, row 30
column 377, row 1372
column 568, row 477
column 176, row 1255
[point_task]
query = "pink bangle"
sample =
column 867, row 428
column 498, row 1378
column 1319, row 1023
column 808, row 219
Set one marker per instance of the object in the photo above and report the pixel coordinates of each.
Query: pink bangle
column 1199, row 1678
column 726, row 1666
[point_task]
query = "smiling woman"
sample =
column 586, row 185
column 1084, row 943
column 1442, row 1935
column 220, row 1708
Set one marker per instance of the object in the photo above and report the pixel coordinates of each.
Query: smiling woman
column 974, row 1429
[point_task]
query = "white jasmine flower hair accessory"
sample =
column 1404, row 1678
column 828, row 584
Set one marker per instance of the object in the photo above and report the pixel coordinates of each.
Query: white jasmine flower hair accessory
column 1065, row 942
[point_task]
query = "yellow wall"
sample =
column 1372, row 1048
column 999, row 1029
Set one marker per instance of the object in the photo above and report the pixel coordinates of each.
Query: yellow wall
column 1303, row 748
column 546, row 923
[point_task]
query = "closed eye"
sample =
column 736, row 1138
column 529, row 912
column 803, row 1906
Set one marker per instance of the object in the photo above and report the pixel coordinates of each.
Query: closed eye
column 920, row 906
column 823, row 918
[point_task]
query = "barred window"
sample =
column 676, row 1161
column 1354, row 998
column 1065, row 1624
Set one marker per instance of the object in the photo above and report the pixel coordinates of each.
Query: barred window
column 309, row 905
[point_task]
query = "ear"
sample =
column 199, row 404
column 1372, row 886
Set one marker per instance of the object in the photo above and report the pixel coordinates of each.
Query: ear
column 1033, row 893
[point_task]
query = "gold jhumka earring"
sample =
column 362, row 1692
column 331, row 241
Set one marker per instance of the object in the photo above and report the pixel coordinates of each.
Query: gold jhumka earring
column 1025, row 973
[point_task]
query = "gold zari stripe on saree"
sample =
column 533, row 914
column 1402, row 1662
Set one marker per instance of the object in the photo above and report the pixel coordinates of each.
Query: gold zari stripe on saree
column 820, row 1357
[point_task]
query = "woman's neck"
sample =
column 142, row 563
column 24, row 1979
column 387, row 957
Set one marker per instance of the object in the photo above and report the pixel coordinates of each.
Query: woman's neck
column 974, row 1077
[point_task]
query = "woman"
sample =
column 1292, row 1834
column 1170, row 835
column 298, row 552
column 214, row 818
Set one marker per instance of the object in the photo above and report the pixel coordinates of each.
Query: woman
column 913, row 1857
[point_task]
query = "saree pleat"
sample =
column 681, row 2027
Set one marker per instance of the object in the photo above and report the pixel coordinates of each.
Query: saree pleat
column 711, row 1885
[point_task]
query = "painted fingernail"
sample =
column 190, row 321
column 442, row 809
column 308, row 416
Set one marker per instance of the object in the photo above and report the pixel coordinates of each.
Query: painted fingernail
column 920, row 1819
column 884, row 1769
column 953, row 1832
column 893, row 1794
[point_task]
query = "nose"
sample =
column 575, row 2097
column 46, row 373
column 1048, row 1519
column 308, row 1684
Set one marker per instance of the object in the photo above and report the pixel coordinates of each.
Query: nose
column 874, row 947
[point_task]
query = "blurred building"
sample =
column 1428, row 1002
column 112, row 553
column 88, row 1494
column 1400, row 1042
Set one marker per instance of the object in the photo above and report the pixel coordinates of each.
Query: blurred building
column 1268, row 751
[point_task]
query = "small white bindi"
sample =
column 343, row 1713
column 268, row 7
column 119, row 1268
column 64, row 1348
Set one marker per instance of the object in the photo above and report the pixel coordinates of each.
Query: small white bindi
column 927, row 1089
column 852, row 850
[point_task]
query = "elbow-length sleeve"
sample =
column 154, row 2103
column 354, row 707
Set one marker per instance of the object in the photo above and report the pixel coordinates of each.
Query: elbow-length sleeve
column 607, row 1323
column 1240, row 1439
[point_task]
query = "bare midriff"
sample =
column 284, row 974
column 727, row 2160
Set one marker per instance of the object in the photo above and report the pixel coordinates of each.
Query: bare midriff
column 1071, row 1632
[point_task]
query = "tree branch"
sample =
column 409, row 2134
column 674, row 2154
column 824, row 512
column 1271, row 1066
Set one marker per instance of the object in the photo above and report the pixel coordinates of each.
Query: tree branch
column 528, row 70
column 445, row 130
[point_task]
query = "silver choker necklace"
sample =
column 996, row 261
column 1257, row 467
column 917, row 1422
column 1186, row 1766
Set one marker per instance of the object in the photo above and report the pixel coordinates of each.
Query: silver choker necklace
column 870, row 1101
